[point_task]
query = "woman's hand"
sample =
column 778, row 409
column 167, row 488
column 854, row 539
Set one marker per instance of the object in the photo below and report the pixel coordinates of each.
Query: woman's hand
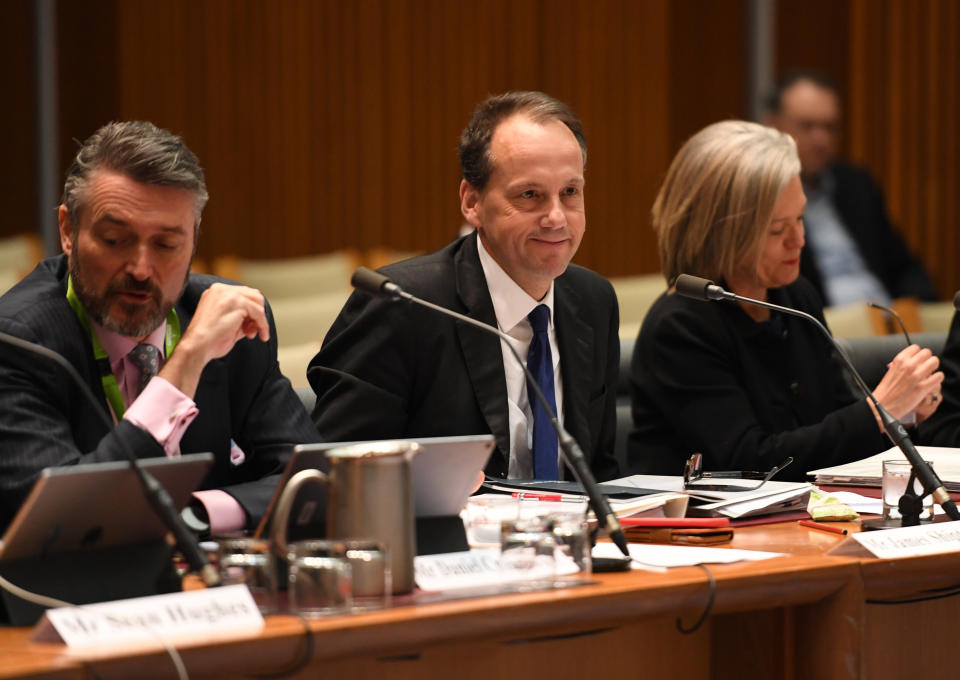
column 911, row 384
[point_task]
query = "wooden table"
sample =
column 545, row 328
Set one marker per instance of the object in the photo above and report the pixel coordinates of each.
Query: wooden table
column 805, row 615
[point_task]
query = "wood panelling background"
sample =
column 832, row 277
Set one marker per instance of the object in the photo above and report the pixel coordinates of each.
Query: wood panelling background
column 326, row 124
column 905, row 120
column 899, row 63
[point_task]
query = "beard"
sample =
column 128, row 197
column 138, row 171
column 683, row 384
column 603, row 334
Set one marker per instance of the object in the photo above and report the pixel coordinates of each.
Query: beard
column 110, row 310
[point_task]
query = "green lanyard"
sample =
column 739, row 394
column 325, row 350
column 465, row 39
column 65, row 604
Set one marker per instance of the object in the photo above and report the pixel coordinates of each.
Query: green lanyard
column 109, row 381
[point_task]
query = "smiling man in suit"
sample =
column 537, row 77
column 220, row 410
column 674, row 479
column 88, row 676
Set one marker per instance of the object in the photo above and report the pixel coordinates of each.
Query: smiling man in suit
column 391, row 370
column 186, row 363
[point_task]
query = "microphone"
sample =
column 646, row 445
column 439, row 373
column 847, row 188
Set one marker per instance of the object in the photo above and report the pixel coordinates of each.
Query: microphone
column 702, row 289
column 156, row 495
column 377, row 284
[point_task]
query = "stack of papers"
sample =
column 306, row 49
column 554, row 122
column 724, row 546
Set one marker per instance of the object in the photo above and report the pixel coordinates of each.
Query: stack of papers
column 868, row 472
column 656, row 503
column 772, row 497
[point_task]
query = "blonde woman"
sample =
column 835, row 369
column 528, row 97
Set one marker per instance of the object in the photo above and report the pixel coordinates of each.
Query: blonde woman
column 742, row 385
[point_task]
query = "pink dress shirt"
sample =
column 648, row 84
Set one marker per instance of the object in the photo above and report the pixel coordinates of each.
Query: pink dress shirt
column 165, row 412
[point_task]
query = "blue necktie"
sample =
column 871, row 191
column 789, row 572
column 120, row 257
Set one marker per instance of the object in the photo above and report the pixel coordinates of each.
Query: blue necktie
column 540, row 363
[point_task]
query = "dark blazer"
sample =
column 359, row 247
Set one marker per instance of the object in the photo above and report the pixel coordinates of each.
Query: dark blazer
column 390, row 369
column 859, row 202
column 707, row 378
column 45, row 421
column 943, row 427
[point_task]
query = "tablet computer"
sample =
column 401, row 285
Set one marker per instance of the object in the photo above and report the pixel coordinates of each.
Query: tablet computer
column 96, row 505
column 445, row 472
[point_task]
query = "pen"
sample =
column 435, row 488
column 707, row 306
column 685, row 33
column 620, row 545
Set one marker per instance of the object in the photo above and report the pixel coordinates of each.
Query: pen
column 822, row 527
column 537, row 496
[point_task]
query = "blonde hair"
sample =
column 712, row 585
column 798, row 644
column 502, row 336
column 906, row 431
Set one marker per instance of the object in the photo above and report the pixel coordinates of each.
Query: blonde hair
column 718, row 197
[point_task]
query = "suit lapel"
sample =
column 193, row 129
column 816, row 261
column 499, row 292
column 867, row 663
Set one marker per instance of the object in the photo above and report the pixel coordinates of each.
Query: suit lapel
column 481, row 350
column 574, row 340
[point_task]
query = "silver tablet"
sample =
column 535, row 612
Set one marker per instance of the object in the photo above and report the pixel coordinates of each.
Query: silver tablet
column 445, row 472
column 95, row 505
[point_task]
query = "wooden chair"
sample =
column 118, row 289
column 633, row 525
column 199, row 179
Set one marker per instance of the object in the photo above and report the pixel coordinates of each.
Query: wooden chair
column 20, row 254
column 291, row 277
column 635, row 295
column 856, row 320
column 306, row 318
column 381, row 257
column 293, row 360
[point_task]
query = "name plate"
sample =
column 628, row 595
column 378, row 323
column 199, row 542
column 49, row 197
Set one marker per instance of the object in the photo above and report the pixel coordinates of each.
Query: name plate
column 479, row 568
column 926, row 539
column 196, row 614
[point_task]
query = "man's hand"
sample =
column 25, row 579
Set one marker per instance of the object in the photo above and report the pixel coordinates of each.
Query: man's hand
column 225, row 314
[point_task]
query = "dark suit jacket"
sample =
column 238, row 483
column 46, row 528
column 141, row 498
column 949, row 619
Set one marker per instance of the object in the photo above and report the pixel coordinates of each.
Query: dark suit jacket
column 706, row 378
column 859, row 202
column 45, row 421
column 943, row 427
column 390, row 369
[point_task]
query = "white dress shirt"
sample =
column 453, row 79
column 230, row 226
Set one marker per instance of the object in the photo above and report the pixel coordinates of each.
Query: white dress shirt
column 512, row 304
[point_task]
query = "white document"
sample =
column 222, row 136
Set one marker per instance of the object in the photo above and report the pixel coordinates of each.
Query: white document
column 926, row 539
column 653, row 555
column 772, row 497
column 868, row 471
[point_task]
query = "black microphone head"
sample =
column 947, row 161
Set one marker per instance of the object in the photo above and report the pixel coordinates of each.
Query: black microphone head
column 693, row 287
column 369, row 281
column 956, row 301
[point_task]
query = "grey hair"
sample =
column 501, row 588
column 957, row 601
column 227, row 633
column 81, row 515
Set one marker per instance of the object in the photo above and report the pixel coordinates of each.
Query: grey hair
column 141, row 151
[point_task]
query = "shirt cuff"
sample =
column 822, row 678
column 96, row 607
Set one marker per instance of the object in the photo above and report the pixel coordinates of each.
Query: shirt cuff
column 223, row 511
column 163, row 411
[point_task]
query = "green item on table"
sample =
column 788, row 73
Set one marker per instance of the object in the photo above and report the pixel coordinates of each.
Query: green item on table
column 825, row 508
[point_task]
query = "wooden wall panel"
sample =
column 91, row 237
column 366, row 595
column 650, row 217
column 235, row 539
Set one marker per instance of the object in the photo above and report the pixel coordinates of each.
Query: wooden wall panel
column 899, row 63
column 326, row 124
column 330, row 124
column 17, row 195
column 904, row 76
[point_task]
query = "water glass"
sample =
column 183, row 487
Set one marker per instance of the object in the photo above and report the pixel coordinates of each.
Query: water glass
column 527, row 547
column 896, row 473
column 250, row 561
column 482, row 518
column 320, row 578
column 370, row 574
column 573, row 551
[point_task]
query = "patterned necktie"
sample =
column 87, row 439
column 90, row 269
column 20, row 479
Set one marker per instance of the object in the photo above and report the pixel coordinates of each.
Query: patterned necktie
column 540, row 363
column 147, row 359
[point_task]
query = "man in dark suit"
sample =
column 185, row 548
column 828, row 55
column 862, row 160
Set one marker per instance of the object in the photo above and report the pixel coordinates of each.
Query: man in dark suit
column 186, row 363
column 853, row 253
column 391, row 370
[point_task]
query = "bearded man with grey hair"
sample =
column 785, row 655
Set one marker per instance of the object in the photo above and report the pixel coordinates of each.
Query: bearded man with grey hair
column 185, row 362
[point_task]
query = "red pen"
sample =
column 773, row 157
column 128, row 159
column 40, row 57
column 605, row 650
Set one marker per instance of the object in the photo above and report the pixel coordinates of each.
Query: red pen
column 537, row 496
column 822, row 527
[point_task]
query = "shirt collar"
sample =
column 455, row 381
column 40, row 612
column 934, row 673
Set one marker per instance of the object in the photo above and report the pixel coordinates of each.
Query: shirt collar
column 511, row 303
column 824, row 188
column 118, row 346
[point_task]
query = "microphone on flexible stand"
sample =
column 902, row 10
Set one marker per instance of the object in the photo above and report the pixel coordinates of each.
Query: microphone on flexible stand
column 377, row 284
column 703, row 289
column 156, row 495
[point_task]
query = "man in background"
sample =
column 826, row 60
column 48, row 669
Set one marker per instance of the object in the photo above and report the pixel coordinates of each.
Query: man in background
column 852, row 252
column 185, row 363
column 389, row 370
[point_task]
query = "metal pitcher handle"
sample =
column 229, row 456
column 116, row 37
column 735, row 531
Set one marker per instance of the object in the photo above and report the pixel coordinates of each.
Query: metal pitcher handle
column 278, row 532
